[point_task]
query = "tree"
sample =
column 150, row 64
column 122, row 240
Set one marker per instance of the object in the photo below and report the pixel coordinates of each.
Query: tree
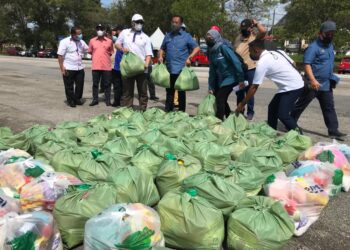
column 252, row 8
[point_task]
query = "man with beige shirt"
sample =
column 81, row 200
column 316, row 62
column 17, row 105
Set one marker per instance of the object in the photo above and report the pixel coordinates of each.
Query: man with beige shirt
column 241, row 45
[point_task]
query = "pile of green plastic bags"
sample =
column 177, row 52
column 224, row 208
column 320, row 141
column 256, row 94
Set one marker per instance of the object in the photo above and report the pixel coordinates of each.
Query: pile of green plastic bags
column 202, row 176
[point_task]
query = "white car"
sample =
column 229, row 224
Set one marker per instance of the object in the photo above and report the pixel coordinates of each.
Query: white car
column 22, row 53
column 347, row 53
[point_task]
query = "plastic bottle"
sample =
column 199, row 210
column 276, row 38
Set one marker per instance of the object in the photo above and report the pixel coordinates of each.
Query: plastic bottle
column 236, row 88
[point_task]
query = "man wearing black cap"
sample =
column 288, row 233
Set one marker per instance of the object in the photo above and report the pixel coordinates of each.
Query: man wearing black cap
column 242, row 48
column 101, row 50
column 318, row 66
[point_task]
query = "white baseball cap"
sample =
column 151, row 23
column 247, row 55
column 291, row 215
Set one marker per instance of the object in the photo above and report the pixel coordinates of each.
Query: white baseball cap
column 137, row 17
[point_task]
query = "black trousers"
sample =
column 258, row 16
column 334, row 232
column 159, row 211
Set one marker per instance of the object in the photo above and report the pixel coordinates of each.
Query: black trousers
column 170, row 92
column 221, row 97
column 105, row 77
column 117, row 83
column 74, row 85
column 281, row 107
column 326, row 100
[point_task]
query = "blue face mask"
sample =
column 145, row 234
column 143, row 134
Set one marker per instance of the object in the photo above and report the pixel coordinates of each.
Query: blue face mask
column 80, row 37
column 114, row 38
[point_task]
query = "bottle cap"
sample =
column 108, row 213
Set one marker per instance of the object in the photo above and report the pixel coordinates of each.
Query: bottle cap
column 193, row 192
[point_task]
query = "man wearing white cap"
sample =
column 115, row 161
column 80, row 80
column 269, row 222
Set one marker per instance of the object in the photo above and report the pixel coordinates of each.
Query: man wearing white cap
column 136, row 41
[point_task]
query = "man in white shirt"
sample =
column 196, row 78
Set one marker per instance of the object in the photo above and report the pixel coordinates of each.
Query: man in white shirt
column 278, row 67
column 136, row 41
column 70, row 53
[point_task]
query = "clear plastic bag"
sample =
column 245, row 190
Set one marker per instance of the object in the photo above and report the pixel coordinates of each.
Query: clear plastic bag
column 124, row 226
column 8, row 204
column 42, row 192
column 15, row 173
column 11, row 153
column 29, row 231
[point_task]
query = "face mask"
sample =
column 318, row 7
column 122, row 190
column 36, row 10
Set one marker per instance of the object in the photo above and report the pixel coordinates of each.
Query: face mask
column 254, row 57
column 114, row 38
column 210, row 43
column 327, row 40
column 175, row 28
column 80, row 37
column 245, row 33
column 100, row 33
column 138, row 26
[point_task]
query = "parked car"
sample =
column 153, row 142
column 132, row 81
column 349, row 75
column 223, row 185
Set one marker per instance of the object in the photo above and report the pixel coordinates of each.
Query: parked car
column 22, row 53
column 344, row 65
column 14, row 51
column 31, row 53
column 51, row 53
column 201, row 58
column 41, row 53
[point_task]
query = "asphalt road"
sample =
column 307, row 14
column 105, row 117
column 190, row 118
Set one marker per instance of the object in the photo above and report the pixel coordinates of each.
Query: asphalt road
column 32, row 91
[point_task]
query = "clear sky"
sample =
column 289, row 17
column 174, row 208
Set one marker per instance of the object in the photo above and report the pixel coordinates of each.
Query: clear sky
column 106, row 2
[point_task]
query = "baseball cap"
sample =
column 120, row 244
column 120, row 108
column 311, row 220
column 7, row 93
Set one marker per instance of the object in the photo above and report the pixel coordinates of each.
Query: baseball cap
column 328, row 26
column 137, row 17
column 246, row 23
column 100, row 27
column 215, row 28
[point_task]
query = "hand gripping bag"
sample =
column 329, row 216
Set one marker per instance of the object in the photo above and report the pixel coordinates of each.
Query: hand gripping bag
column 190, row 222
column 160, row 76
column 124, row 226
column 259, row 223
column 187, row 80
column 131, row 65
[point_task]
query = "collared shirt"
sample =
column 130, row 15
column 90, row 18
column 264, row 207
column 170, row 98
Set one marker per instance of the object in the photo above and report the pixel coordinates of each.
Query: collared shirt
column 101, row 50
column 141, row 45
column 72, row 52
column 177, row 47
column 242, row 48
column 321, row 59
column 274, row 66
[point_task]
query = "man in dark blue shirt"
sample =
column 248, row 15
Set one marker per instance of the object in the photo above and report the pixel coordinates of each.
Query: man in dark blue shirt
column 318, row 65
column 179, row 48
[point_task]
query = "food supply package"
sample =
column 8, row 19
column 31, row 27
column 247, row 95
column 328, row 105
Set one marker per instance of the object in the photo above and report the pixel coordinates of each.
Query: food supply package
column 131, row 65
column 259, row 223
column 190, row 222
column 187, row 80
column 207, row 106
column 124, row 226
column 160, row 76
column 43, row 191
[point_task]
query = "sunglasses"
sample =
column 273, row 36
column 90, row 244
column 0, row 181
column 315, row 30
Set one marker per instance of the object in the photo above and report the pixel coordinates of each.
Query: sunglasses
column 139, row 22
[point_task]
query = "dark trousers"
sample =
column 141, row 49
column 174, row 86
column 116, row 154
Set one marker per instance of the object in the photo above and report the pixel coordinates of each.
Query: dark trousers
column 128, row 91
column 221, row 97
column 326, row 100
column 74, row 85
column 105, row 77
column 281, row 107
column 170, row 92
column 248, row 76
column 117, row 83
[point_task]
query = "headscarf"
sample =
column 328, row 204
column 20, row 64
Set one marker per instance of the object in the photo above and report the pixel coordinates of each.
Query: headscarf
column 217, row 38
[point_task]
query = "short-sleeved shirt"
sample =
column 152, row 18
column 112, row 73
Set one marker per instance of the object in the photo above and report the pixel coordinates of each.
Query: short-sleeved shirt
column 242, row 48
column 177, row 47
column 72, row 52
column 276, row 67
column 101, row 50
column 321, row 59
column 136, row 42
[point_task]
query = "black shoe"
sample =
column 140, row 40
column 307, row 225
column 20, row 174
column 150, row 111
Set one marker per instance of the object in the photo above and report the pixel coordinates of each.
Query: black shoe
column 154, row 98
column 336, row 134
column 93, row 103
column 108, row 104
column 79, row 102
column 116, row 104
column 72, row 104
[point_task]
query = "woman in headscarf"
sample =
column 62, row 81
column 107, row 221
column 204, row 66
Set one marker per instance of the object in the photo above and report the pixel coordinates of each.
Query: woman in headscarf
column 225, row 72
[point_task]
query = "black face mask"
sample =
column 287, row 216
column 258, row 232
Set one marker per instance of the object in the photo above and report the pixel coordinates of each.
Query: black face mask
column 245, row 33
column 210, row 43
column 254, row 57
column 327, row 40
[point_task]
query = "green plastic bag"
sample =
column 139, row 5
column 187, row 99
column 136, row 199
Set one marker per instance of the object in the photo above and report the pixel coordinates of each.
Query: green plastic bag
column 123, row 112
column 297, row 141
column 187, row 80
column 286, row 152
column 207, row 106
column 175, row 130
column 247, row 177
column 5, row 132
column 174, row 170
column 198, row 122
column 211, row 154
column 69, row 160
column 80, row 204
column 138, row 120
column 259, row 223
column 131, row 65
column 160, row 76
column 146, row 159
column 129, row 130
column 91, row 136
column 153, row 114
column 134, row 185
column 46, row 151
column 153, row 136
column 190, row 222
column 200, row 135
column 267, row 161
column 263, row 128
column 98, row 167
column 70, row 125
column 236, row 123
column 222, row 193
column 122, row 147
column 176, row 145
column 176, row 116
column 255, row 138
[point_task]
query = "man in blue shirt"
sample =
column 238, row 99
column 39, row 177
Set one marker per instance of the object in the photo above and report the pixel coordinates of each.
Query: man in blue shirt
column 318, row 65
column 179, row 48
